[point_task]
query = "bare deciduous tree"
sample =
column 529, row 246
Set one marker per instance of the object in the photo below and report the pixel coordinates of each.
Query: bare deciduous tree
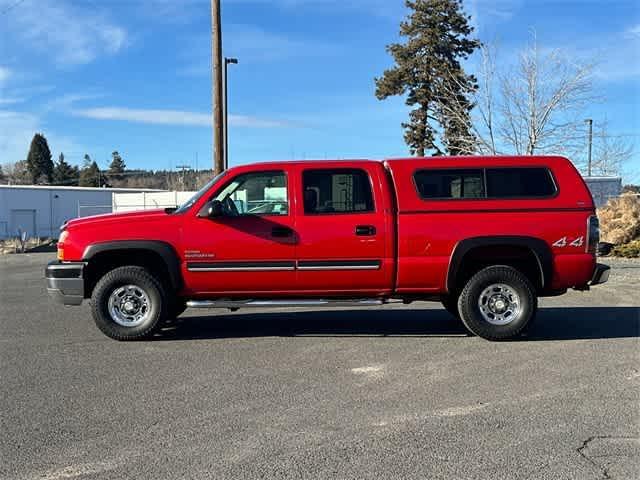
column 609, row 152
column 482, row 138
column 542, row 101
column 534, row 107
column 17, row 173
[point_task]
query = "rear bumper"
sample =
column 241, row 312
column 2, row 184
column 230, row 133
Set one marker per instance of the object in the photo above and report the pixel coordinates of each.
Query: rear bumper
column 65, row 282
column 600, row 274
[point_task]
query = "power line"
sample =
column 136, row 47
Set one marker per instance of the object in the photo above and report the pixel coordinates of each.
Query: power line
column 11, row 7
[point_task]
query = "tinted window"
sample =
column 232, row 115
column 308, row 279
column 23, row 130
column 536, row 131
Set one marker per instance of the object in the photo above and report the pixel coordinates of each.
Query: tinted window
column 519, row 182
column 259, row 193
column 337, row 191
column 450, row 183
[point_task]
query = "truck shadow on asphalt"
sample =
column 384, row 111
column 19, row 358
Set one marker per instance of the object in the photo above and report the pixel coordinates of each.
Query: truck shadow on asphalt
column 567, row 323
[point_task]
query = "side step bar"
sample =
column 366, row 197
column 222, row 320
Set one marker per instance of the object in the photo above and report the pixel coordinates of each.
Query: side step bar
column 233, row 304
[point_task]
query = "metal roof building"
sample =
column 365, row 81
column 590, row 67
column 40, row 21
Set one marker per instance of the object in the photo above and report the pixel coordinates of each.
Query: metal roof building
column 604, row 188
column 39, row 210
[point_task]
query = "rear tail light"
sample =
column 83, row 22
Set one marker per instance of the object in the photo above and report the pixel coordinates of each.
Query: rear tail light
column 593, row 234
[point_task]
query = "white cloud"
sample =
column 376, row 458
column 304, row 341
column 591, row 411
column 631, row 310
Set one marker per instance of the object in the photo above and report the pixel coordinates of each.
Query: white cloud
column 10, row 100
column 633, row 32
column 5, row 99
column 381, row 8
column 67, row 32
column 5, row 73
column 172, row 11
column 171, row 117
column 616, row 56
column 485, row 12
column 255, row 44
column 18, row 129
column 252, row 45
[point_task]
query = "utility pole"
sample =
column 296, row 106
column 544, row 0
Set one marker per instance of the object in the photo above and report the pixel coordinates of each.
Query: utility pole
column 216, row 52
column 589, row 121
column 184, row 168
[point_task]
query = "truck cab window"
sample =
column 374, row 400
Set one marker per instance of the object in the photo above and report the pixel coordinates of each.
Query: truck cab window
column 260, row 193
column 337, row 191
column 450, row 184
column 528, row 182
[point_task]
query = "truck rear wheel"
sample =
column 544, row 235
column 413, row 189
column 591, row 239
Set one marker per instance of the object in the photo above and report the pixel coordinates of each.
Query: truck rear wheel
column 497, row 303
column 128, row 303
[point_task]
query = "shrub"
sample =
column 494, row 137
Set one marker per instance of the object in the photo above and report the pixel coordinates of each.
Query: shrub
column 620, row 220
column 631, row 250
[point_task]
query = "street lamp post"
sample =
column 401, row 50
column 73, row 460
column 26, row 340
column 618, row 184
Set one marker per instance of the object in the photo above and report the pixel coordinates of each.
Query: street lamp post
column 589, row 121
column 227, row 61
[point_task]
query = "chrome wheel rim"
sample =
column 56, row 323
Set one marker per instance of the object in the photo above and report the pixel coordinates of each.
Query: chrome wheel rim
column 129, row 306
column 499, row 304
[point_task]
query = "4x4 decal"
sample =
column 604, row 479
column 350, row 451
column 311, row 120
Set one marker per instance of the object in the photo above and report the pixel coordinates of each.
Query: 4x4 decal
column 564, row 241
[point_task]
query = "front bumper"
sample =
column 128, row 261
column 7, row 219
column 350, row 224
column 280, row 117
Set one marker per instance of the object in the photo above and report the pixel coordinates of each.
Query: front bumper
column 65, row 282
column 600, row 274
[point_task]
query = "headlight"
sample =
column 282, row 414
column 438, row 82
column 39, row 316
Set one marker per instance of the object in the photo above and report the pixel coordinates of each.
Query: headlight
column 63, row 237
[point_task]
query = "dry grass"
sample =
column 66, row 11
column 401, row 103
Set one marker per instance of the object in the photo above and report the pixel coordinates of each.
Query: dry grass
column 12, row 245
column 620, row 220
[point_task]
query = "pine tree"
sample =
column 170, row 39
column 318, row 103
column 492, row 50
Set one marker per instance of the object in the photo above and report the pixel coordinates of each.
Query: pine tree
column 63, row 173
column 2, row 175
column 429, row 73
column 39, row 162
column 117, row 166
column 90, row 173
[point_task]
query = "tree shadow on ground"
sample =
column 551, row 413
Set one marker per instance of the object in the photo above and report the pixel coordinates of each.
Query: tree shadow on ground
column 569, row 323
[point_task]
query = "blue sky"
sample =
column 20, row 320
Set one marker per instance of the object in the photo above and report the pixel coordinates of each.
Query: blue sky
column 133, row 76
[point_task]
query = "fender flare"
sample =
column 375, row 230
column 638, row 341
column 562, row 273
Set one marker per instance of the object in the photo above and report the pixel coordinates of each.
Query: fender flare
column 163, row 249
column 539, row 247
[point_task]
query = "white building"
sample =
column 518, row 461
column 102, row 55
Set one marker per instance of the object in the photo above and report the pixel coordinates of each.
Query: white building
column 124, row 202
column 39, row 210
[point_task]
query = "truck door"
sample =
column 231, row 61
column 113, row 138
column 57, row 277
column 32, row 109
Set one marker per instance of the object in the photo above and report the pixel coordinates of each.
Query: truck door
column 251, row 247
column 342, row 232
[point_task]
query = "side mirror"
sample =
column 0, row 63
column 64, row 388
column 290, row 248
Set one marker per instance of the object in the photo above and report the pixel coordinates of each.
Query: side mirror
column 212, row 209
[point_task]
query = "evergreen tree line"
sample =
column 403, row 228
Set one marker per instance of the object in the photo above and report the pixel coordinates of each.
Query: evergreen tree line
column 40, row 169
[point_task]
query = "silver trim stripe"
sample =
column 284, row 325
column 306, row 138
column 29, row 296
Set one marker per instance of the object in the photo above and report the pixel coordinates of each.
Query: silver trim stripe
column 342, row 267
column 239, row 269
column 304, row 265
column 301, row 302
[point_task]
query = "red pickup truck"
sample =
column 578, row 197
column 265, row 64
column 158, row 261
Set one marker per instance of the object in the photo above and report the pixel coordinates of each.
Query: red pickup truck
column 486, row 236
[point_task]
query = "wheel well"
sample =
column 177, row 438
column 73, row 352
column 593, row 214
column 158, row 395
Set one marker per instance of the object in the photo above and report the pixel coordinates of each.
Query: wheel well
column 520, row 257
column 104, row 262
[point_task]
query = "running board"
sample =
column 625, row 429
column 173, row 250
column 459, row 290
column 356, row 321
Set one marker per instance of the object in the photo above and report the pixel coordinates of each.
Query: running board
column 366, row 302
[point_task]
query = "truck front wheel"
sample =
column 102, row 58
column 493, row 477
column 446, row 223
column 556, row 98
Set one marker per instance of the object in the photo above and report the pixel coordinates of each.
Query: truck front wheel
column 128, row 303
column 450, row 304
column 497, row 303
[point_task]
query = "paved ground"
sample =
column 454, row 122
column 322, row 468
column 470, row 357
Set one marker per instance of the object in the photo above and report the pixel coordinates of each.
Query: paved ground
column 393, row 392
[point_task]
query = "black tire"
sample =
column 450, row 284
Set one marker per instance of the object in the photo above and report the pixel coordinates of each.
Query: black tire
column 450, row 304
column 518, row 284
column 178, row 307
column 155, row 313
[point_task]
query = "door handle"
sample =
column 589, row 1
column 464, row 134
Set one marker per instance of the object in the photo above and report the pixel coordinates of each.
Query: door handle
column 281, row 232
column 365, row 230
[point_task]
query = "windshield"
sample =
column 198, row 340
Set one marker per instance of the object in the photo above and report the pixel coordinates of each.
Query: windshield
column 189, row 203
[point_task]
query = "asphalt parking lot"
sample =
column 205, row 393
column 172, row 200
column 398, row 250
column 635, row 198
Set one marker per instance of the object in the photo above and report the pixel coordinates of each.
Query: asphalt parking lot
column 391, row 392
